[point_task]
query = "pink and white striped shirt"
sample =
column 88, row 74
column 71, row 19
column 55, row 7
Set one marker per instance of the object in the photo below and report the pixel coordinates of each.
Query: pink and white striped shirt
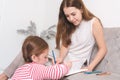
column 34, row 71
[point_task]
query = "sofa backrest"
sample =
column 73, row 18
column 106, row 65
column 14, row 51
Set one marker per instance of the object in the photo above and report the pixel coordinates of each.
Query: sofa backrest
column 111, row 61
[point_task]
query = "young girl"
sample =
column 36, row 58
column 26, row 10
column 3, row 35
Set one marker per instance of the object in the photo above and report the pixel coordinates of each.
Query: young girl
column 35, row 54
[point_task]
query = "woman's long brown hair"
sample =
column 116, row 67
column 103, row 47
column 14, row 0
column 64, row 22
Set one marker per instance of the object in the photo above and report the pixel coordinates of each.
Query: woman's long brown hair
column 64, row 27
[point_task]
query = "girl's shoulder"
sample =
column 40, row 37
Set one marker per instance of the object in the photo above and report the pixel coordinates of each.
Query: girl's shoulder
column 32, row 64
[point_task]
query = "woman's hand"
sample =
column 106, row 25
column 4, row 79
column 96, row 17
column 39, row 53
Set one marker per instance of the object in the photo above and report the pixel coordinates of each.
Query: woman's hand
column 3, row 77
column 88, row 68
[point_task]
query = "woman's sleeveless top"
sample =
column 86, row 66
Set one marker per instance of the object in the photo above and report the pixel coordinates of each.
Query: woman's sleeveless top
column 82, row 42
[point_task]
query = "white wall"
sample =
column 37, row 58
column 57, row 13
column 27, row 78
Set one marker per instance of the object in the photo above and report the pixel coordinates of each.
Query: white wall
column 107, row 10
column 16, row 14
column 52, row 10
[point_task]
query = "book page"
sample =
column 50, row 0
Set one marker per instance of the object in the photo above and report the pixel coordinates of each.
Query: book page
column 76, row 68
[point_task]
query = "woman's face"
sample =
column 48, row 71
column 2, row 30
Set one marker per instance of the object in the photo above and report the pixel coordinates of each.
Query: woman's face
column 73, row 15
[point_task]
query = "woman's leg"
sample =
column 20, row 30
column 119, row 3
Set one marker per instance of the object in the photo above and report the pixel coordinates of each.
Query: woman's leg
column 18, row 61
column 3, row 76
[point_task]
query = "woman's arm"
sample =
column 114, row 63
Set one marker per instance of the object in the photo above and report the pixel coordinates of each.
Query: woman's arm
column 99, row 37
column 18, row 61
column 62, row 55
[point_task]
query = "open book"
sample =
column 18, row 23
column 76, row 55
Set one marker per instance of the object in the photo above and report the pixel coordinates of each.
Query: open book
column 75, row 71
column 75, row 68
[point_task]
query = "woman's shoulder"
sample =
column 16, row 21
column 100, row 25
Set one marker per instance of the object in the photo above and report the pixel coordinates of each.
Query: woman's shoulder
column 96, row 20
column 93, row 20
column 97, row 25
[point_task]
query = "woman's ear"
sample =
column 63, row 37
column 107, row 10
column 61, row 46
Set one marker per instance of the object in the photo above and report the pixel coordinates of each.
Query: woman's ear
column 34, row 58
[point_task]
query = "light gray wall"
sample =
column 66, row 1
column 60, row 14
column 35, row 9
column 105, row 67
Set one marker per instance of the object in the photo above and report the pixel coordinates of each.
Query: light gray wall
column 16, row 14
column 107, row 10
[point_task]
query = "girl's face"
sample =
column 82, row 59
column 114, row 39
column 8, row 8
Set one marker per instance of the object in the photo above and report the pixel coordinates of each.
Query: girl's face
column 73, row 15
column 42, row 58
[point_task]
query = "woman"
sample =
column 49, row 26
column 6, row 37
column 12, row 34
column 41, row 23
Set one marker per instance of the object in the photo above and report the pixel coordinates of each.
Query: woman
column 77, row 31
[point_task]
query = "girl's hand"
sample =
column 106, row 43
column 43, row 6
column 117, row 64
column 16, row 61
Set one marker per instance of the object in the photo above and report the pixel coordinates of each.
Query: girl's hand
column 68, row 64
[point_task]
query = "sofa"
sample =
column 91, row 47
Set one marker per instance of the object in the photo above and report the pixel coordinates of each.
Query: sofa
column 110, row 65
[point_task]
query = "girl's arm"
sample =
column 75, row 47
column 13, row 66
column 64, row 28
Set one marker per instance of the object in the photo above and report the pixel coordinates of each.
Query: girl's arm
column 99, row 37
column 57, row 71
column 62, row 55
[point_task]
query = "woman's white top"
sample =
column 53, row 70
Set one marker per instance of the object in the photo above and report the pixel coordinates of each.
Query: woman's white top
column 82, row 42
